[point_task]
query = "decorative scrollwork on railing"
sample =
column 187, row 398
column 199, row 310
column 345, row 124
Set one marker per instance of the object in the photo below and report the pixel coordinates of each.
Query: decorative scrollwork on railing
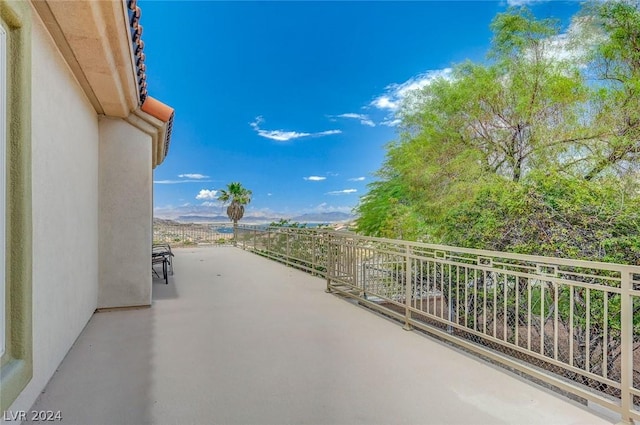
column 561, row 315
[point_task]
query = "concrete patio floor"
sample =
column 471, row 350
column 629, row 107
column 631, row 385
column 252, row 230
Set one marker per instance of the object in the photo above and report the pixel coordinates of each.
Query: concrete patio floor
column 238, row 339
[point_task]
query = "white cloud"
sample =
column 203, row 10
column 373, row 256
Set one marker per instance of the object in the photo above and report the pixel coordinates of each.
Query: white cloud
column 187, row 178
column 576, row 43
column 395, row 93
column 356, row 179
column 195, row 176
column 342, row 192
column 262, row 213
column 385, row 102
column 391, row 122
column 327, row 208
column 523, row 2
column 282, row 135
column 557, row 48
column 180, row 181
column 327, row 133
column 315, row 178
column 210, row 204
column 364, row 119
column 206, row 194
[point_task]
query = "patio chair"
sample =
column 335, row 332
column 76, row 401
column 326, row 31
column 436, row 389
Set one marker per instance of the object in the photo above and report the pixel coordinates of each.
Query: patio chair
column 161, row 254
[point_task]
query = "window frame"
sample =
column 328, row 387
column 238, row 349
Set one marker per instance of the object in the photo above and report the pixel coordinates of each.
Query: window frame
column 3, row 171
column 16, row 363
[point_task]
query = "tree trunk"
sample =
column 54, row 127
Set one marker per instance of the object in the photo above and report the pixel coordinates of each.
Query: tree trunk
column 235, row 211
column 235, row 233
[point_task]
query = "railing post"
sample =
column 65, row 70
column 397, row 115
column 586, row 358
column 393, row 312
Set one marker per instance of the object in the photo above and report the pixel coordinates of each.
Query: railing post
column 363, row 274
column 288, row 253
column 626, row 358
column 330, row 260
column 407, row 281
column 354, row 262
column 313, row 237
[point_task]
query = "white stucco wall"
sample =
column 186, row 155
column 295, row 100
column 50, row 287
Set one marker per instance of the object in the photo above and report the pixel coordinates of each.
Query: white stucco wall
column 125, row 215
column 65, row 211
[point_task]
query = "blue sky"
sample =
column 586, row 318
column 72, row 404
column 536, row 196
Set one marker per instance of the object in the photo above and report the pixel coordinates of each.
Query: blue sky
column 296, row 100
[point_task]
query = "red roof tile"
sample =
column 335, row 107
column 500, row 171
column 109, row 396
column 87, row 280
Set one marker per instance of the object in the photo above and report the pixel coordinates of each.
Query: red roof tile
column 138, row 47
column 150, row 105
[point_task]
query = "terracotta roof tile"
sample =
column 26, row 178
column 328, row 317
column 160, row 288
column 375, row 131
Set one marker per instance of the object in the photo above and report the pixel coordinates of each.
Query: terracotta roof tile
column 138, row 47
column 157, row 109
column 150, row 105
column 164, row 113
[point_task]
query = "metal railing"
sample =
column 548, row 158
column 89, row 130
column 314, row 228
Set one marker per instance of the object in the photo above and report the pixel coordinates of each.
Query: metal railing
column 185, row 234
column 301, row 248
column 572, row 324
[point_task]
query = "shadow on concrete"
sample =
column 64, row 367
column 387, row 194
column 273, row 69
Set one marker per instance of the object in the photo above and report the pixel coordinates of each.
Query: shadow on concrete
column 250, row 341
column 162, row 291
column 106, row 378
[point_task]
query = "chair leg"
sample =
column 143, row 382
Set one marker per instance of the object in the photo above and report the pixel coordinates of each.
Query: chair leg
column 165, row 272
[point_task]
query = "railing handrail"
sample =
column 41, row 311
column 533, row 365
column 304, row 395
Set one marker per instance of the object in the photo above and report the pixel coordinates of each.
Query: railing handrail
column 561, row 307
column 623, row 268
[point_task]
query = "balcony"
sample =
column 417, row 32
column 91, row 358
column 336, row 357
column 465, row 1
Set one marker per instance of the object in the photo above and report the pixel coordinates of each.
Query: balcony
column 238, row 338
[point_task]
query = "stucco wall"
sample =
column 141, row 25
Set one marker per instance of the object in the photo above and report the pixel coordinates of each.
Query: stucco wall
column 65, row 211
column 125, row 215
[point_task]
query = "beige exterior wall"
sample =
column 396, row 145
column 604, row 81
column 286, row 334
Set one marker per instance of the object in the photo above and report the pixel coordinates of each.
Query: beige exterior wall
column 90, row 208
column 64, row 208
column 125, row 215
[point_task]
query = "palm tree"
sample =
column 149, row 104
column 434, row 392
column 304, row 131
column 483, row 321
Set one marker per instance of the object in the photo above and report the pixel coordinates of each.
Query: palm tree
column 239, row 197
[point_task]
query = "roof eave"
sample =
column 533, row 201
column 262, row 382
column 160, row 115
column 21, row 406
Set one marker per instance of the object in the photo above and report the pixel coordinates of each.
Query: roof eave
column 102, row 43
column 95, row 40
column 156, row 119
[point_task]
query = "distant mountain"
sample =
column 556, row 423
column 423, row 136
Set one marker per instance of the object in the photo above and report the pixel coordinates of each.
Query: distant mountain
column 201, row 219
column 326, row 217
column 224, row 219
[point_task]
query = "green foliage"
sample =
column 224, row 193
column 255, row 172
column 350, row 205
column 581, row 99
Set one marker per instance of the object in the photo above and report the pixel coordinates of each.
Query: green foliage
column 288, row 223
column 235, row 192
column 238, row 196
column 549, row 214
column 527, row 153
column 517, row 30
column 535, row 153
column 614, row 104
column 385, row 213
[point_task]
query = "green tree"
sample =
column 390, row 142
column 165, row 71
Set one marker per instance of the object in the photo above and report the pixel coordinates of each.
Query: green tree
column 535, row 152
column 237, row 196
column 287, row 223
column 526, row 153
column 615, row 62
column 385, row 212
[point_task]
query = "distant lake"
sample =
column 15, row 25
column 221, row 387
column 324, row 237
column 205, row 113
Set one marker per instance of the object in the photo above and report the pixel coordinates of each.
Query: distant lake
column 229, row 228
column 221, row 229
